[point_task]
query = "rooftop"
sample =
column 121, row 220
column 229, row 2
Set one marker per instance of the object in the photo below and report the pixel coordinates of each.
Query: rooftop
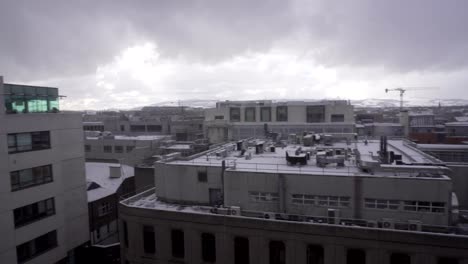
column 100, row 174
column 340, row 159
column 143, row 137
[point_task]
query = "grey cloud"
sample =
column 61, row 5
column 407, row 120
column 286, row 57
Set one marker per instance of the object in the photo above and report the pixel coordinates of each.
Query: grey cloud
column 44, row 39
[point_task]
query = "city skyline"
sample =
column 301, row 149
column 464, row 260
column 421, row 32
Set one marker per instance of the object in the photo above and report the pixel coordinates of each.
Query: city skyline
column 117, row 55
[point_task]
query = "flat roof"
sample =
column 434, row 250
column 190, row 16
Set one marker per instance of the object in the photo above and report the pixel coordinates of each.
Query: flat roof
column 275, row 162
column 119, row 137
column 443, row 146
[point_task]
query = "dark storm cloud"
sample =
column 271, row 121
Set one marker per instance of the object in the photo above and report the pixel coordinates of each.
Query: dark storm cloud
column 46, row 39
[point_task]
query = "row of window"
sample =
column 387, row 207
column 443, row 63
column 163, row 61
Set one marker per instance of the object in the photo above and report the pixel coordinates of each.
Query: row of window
column 277, row 250
column 30, row 141
column 314, row 114
column 34, row 212
column 344, row 201
column 37, row 246
column 321, row 200
column 420, row 206
column 112, row 149
column 26, row 178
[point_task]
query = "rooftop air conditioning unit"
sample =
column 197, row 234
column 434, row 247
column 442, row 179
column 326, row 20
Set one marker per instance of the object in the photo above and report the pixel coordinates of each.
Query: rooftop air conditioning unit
column 372, row 224
column 269, row 215
column 414, row 225
column 235, row 210
column 388, row 223
column 333, row 216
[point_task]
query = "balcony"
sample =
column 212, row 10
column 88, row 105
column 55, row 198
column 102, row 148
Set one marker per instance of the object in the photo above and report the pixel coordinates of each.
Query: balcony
column 30, row 99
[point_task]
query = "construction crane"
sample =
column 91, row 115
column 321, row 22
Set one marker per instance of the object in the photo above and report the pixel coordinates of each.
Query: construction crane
column 402, row 91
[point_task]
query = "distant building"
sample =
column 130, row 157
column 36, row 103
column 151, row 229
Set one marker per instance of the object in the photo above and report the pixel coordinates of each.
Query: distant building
column 375, row 130
column 126, row 149
column 232, row 120
column 306, row 199
column 44, row 216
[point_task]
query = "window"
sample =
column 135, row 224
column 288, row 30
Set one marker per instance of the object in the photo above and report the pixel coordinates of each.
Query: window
column 178, row 244
column 337, row 118
column 333, row 201
column 23, row 179
column 400, row 258
column 282, row 113
column 87, row 148
column 265, row 114
column 422, row 206
column 104, row 209
column 154, row 128
column 129, row 148
column 138, row 128
column 108, row 149
column 315, row 254
column 219, row 117
column 125, row 233
column 22, row 142
column 202, row 176
column 208, row 247
column 277, row 252
column 249, row 114
column 263, row 197
column 34, row 212
column 355, row 256
column 315, row 113
column 234, row 114
column 381, row 204
column 445, row 260
column 241, row 250
column 149, row 243
column 303, row 199
column 35, row 247
column 122, row 128
column 30, row 99
column 118, row 149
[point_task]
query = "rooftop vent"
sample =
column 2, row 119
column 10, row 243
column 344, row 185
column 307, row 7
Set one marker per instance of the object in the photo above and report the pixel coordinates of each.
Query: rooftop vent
column 115, row 171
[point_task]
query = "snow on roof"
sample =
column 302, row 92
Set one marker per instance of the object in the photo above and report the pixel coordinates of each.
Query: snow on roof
column 456, row 124
column 179, row 146
column 143, row 137
column 100, row 174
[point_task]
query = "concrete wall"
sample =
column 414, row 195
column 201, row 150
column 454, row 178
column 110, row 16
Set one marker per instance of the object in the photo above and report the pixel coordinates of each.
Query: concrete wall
column 238, row 184
column 378, row 244
column 68, row 186
column 179, row 183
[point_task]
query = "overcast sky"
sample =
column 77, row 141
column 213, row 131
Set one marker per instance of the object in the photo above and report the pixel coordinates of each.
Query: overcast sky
column 120, row 54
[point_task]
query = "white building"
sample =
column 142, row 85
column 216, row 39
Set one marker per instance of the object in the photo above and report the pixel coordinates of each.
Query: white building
column 232, row 120
column 44, row 215
column 260, row 201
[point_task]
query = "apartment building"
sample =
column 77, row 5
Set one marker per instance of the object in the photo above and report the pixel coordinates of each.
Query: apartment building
column 44, row 215
column 232, row 120
column 299, row 200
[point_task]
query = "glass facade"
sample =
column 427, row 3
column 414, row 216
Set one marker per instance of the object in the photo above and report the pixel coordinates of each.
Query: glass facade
column 30, row 99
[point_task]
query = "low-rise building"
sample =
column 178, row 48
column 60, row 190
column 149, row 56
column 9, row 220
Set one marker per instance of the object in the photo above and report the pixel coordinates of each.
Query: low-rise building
column 265, row 201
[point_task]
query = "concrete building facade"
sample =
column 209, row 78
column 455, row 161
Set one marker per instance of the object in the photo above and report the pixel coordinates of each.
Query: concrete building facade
column 232, row 120
column 43, row 215
column 261, row 201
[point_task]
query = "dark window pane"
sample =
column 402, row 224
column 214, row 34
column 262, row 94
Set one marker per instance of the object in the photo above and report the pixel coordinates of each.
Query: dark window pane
column 400, row 258
column 282, row 113
column 149, row 243
column 249, row 114
column 125, row 233
column 34, row 212
column 356, row 256
column 315, row 113
column 234, row 114
column 178, row 247
column 337, row 118
column 208, row 247
column 445, row 260
column 35, row 247
column 241, row 250
column 277, row 252
column 315, row 254
column 202, row 176
column 265, row 114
